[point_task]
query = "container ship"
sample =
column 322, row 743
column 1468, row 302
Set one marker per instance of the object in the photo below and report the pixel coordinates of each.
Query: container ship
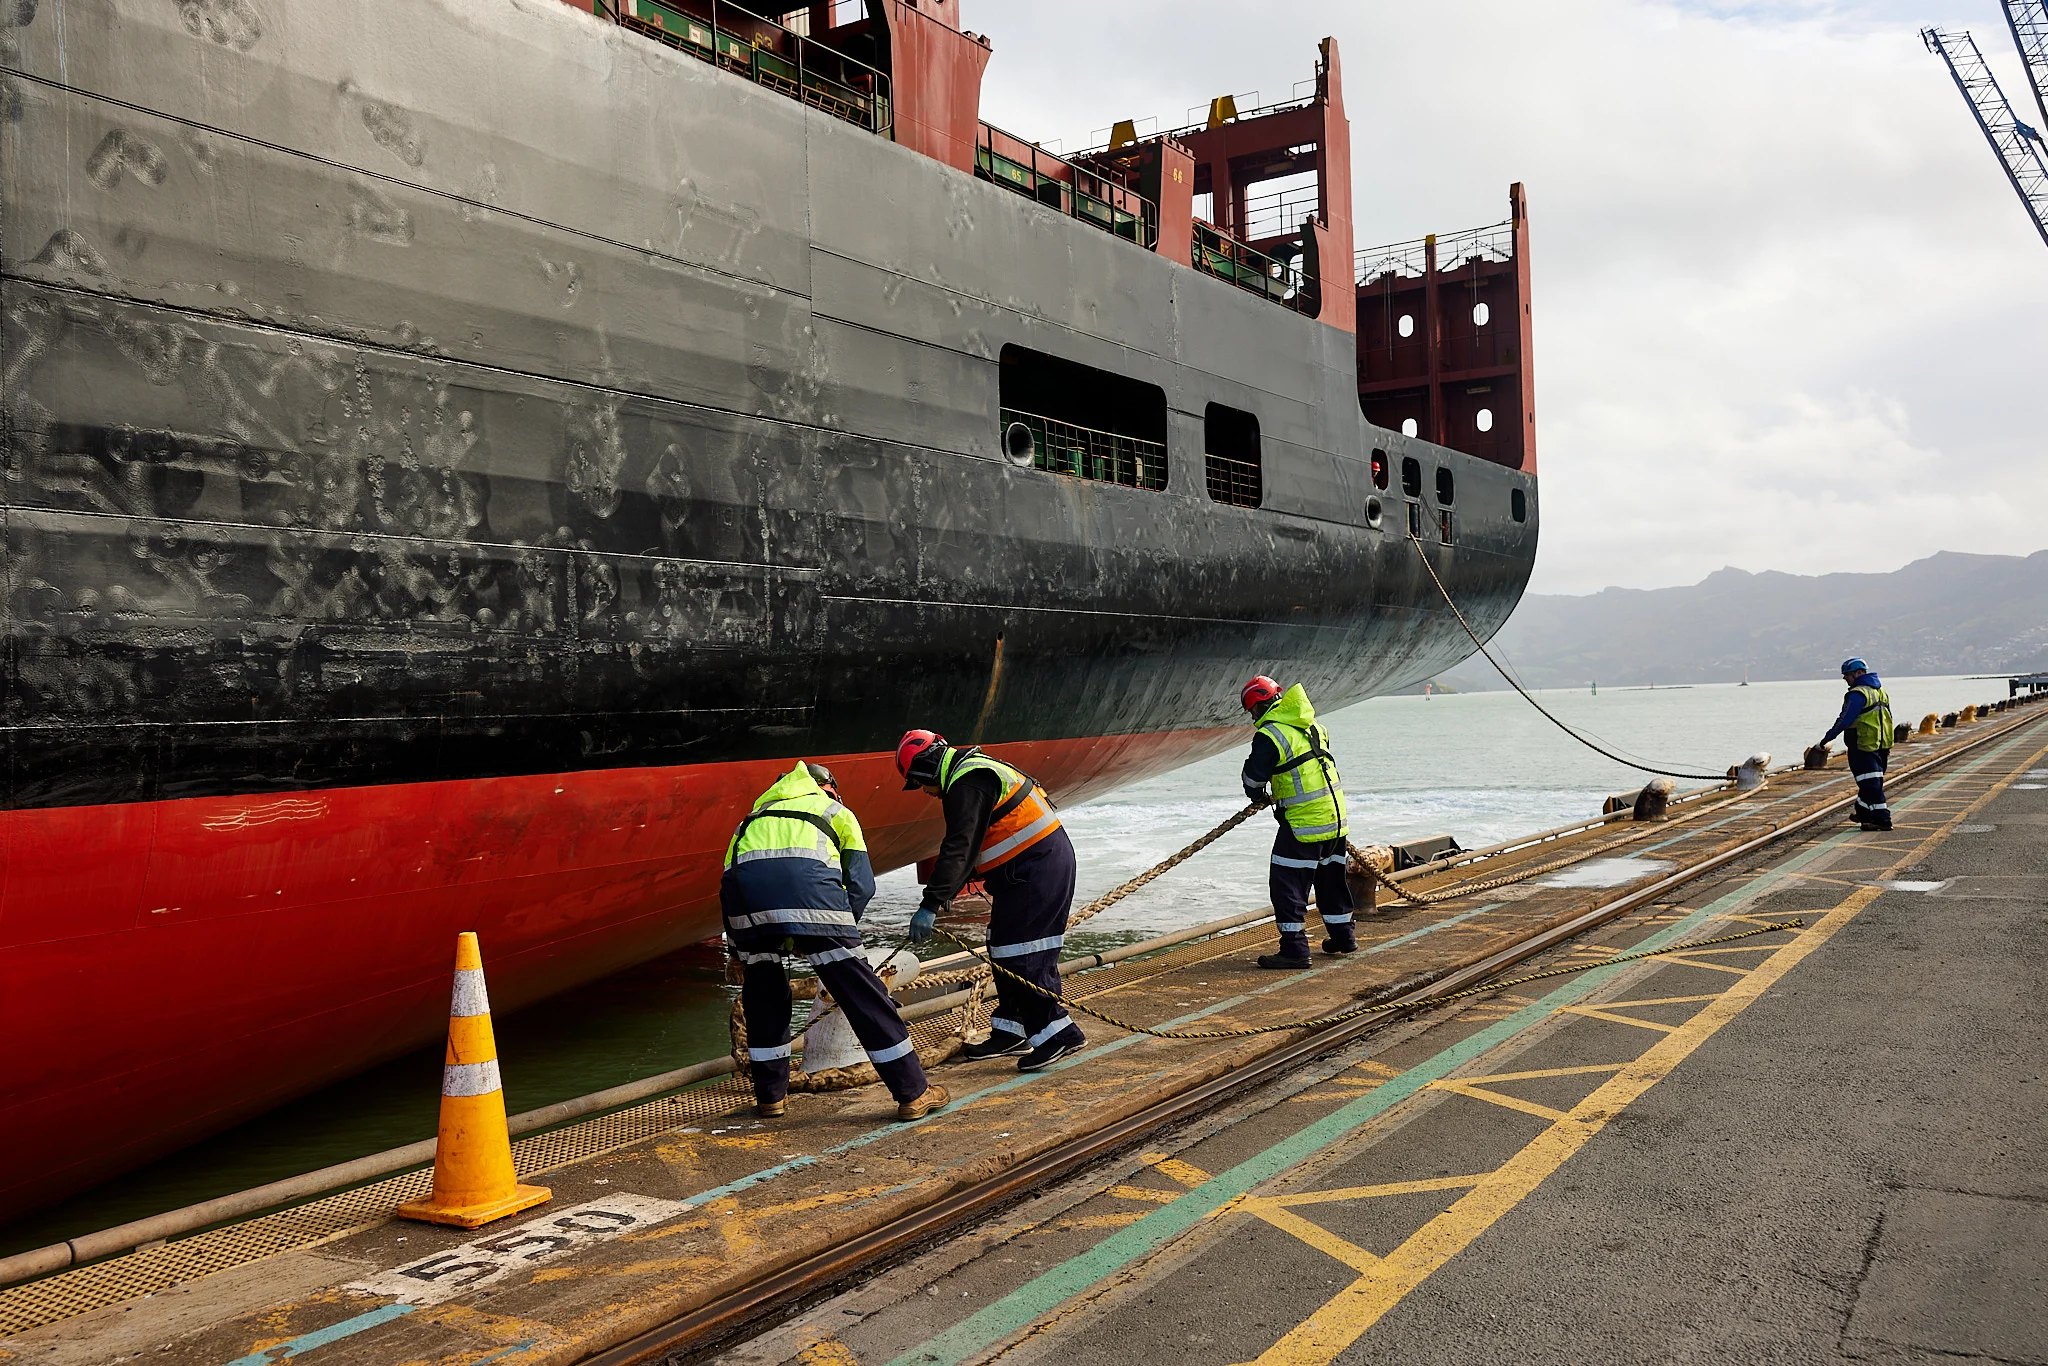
column 458, row 451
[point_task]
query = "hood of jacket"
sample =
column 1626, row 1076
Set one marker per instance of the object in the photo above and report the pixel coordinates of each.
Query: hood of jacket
column 1868, row 680
column 1293, row 709
column 798, row 782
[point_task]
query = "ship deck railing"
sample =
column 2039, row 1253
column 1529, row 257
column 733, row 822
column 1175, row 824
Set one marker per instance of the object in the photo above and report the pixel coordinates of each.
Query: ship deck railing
column 1058, row 183
column 1219, row 254
column 1091, row 453
column 1494, row 242
column 756, row 47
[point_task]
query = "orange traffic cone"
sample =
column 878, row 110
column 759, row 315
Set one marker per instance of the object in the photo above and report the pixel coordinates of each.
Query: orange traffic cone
column 473, row 1180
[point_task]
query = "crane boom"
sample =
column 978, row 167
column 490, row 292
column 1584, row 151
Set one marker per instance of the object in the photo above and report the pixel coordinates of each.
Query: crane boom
column 2028, row 20
column 2017, row 145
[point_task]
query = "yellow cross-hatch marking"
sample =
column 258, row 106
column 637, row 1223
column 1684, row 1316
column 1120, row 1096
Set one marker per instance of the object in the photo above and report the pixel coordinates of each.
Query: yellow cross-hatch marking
column 1314, row 1234
column 1466, row 1088
column 1596, row 1013
column 1426, row 1184
column 1689, row 961
column 1339, row 1323
column 1386, row 1280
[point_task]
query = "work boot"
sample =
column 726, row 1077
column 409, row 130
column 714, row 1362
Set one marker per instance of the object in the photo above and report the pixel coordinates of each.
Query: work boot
column 1876, row 828
column 1338, row 948
column 997, row 1045
column 771, row 1109
column 934, row 1098
column 1068, row 1040
column 1283, row 961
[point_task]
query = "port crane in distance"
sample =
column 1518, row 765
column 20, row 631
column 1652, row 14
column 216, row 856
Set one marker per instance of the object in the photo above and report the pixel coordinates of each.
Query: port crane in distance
column 2017, row 144
column 2028, row 20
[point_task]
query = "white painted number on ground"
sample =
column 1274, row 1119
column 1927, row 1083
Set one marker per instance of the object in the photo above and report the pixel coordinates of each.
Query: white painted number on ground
column 459, row 1270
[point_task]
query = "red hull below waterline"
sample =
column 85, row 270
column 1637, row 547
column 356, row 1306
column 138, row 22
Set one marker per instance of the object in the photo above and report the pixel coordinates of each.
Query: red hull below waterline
column 178, row 966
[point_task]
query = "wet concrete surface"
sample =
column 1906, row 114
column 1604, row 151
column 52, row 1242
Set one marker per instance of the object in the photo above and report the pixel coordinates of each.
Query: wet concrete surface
column 1840, row 1154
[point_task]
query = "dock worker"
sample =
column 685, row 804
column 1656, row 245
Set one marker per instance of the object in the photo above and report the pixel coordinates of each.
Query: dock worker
column 1865, row 726
column 1001, row 828
column 797, row 877
column 1291, row 755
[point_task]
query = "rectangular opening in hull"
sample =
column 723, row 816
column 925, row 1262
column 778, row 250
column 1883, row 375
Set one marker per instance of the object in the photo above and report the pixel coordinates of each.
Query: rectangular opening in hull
column 1076, row 420
column 1230, row 458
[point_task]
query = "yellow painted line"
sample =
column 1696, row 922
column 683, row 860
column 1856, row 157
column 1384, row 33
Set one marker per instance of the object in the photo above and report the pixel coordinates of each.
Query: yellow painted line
column 1374, row 1067
column 830, row 1352
column 1527, row 1107
column 1340, row 1322
column 1646, row 1001
column 1315, row 1235
column 1118, row 1220
column 1430, row 1183
column 1689, row 961
column 1187, row 1173
column 1596, row 1013
column 1586, row 1070
column 1140, row 1193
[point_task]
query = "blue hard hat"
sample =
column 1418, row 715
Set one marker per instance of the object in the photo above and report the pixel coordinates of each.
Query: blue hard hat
column 1854, row 666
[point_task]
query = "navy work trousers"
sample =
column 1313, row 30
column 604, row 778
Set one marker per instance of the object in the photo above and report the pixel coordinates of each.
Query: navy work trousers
column 765, row 1000
column 1867, row 767
column 1298, row 868
column 1030, row 898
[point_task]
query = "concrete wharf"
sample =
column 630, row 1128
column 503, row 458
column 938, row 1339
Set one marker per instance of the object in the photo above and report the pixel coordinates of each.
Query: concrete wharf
column 1777, row 1146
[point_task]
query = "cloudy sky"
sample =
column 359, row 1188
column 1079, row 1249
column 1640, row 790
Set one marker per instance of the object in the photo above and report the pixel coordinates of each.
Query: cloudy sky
column 1789, row 314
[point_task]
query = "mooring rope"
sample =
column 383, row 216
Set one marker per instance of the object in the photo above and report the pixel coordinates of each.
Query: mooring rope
column 1324, row 1021
column 1116, row 894
column 1584, row 740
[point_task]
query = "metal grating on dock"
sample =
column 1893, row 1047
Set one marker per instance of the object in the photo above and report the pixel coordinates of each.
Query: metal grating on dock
column 147, row 1270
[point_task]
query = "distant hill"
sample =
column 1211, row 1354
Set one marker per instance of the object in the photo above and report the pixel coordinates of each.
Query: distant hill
column 1946, row 614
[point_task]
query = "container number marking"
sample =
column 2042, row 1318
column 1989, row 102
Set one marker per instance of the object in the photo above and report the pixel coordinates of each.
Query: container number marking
column 458, row 1270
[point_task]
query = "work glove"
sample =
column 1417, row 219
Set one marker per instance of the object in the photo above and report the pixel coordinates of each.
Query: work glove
column 921, row 924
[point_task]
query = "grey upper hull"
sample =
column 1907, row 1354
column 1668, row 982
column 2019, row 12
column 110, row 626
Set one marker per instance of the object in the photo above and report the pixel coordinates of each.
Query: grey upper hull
column 483, row 358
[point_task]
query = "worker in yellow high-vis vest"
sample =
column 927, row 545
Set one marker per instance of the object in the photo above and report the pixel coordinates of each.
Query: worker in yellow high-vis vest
column 1865, row 726
column 1291, row 756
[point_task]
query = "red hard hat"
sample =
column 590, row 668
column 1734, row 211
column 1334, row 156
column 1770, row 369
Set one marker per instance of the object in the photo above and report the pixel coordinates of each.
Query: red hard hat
column 1260, row 693
column 914, row 743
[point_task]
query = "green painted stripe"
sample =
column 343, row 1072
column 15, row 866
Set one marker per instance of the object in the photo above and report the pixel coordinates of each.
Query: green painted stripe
column 1053, row 1288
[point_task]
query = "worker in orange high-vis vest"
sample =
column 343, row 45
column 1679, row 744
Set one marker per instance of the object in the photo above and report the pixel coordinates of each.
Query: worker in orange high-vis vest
column 1001, row 828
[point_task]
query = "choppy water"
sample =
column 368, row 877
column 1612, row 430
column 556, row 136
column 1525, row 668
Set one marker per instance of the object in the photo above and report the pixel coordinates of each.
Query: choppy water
column 1484, row 767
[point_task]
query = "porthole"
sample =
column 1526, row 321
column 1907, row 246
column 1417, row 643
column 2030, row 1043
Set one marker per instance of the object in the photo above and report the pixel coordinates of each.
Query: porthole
column 1411, row 476
column 1374, row 512
column 1406, row 327
column 1481, row 314
column 1446, row 487
column 1379, row 468
column 1483, row 419
column 1408, row 427
column 1518, row 505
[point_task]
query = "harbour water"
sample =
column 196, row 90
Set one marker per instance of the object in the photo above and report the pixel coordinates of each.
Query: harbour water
column 1483, row 767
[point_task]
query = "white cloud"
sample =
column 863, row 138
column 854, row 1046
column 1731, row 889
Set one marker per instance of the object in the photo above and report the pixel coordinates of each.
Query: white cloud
column 1789, row 314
